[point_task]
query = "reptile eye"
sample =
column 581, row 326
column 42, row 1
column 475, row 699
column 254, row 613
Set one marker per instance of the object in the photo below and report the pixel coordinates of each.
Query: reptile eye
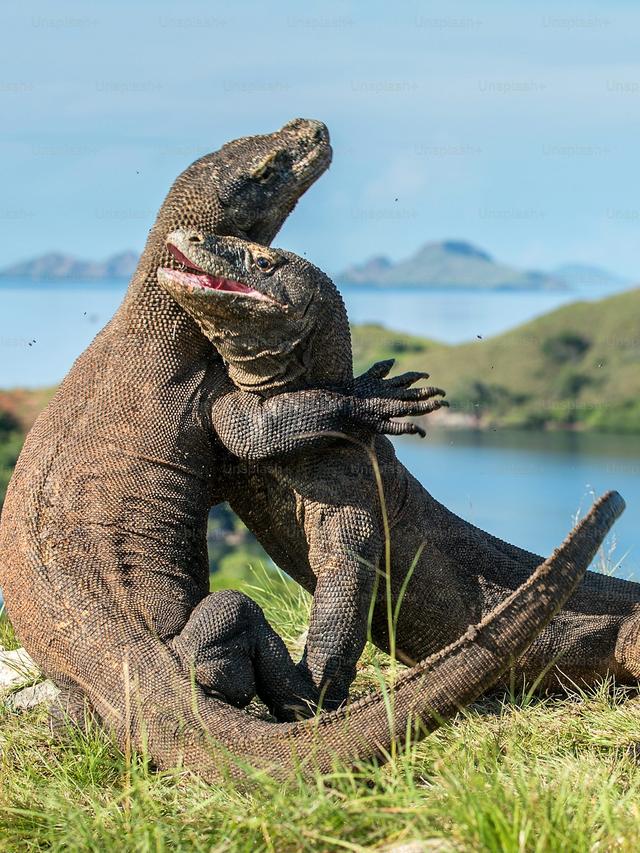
column 264, row 264
column 264, row 173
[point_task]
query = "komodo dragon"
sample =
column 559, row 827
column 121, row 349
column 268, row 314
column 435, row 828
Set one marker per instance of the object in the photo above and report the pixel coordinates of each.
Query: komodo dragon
column 323, row 503
column 103, row 531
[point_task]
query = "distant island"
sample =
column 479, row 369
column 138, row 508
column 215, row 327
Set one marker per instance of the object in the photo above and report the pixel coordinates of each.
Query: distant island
column 55, row 266
column 460, row 264
column 444, row 264
column 581, row 275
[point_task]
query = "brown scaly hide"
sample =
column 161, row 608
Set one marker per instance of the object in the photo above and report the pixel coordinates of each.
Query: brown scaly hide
column 102, row 537
column 325, row 504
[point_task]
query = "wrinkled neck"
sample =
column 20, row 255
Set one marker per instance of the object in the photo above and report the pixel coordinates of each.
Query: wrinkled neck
column 319, row 356
column 268, row 369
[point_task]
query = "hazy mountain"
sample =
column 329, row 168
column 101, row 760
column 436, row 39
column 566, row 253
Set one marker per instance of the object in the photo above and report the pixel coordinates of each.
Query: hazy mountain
column 367, row 272
column 578, row 275
column 450, row 263
column 55, row 266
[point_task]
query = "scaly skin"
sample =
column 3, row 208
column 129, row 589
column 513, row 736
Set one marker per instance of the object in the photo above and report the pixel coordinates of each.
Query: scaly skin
column 103, row 536
column 274, row 349
column 130, row 416
column 102, row 539
column 324, row 504
column 103, row 531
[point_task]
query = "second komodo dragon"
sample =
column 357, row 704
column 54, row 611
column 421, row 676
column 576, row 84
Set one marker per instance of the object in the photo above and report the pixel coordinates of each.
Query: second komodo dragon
column 285, row 328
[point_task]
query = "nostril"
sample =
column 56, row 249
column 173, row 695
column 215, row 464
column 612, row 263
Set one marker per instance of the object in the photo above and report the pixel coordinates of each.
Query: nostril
column 196, row 238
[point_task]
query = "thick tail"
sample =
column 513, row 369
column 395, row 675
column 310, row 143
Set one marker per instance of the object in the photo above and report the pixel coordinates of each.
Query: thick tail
column 179, row 724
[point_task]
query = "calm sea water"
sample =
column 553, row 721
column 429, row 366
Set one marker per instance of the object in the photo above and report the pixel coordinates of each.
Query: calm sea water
column 523, row 487
column 527, row 487
column 43, row 329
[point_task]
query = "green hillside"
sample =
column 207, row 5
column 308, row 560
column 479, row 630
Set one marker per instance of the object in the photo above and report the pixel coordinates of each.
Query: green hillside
column 577, row 366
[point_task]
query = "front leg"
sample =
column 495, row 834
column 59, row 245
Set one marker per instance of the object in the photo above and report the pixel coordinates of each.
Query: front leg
column 256, row 428
column 345, row 549
column 234, row 653
column 337, row 630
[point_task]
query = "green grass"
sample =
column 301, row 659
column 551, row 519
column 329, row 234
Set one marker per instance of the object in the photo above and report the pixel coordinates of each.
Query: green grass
column 507, row 775
column 8, row 638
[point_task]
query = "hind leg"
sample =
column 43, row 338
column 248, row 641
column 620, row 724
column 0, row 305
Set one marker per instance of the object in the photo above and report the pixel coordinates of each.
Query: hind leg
column 578, row 649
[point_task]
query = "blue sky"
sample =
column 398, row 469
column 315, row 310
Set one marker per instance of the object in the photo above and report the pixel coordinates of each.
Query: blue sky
column 512, row 125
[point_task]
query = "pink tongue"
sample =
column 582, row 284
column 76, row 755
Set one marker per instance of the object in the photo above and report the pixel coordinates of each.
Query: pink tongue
column 204, row 279
column 227, row 284
column 213, row 282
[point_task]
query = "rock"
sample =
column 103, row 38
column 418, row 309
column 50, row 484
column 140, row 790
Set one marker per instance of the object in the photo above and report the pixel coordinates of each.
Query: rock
column 298, row 644
column 16, row 668
column 30, row 697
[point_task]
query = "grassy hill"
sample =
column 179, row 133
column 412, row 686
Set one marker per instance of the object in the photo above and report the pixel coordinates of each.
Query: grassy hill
column 578, row 366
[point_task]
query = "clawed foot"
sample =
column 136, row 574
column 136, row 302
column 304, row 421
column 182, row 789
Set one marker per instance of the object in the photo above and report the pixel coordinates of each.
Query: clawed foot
column 235, row 654
column 378, row 399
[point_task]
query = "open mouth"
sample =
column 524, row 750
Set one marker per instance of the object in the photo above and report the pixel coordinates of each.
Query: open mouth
column 193, row 276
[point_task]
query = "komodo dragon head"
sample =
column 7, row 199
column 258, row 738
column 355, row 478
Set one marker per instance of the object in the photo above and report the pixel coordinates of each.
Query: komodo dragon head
column 259, row 179
column 246, row 189
column 249, row 187
column 274, row 317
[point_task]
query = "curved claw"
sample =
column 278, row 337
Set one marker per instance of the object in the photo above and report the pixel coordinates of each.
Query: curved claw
column 402, row 428
column 422, row 407
column 416, row 393
column 377, row 371
column 404, row 380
